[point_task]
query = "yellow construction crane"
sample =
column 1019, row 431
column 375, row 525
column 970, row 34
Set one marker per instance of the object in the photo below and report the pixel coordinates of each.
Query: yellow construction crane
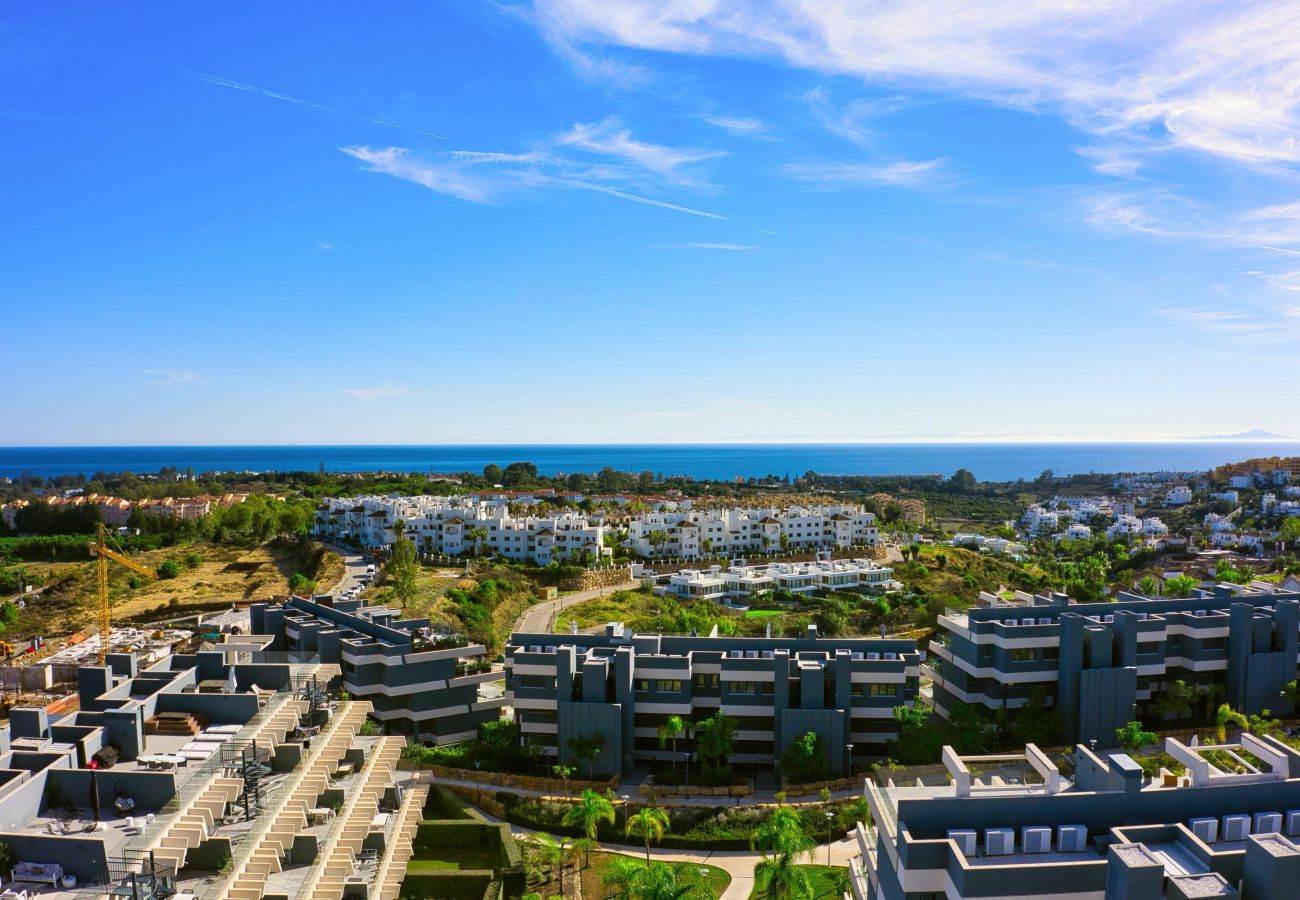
column 102, row 555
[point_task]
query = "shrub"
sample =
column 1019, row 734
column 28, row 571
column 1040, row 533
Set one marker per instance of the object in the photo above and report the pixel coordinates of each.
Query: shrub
column 169, row 569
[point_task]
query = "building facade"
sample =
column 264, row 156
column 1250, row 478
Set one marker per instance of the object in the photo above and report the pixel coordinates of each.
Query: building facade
column 731, row 532
column 451, row 526
column 1102, row 665
column 624, row 686
column 736, row 584
column 421, row 685
column 1016, row 826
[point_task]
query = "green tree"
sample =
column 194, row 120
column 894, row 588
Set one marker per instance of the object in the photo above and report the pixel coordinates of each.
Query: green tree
column 651, row 824
column 588, row 813
column 804, row 759
column 301, row 585
column 1179, row 586
column 169, row 569
column 918, row 741
column 400, row 571
column 587, row 749
column 783, row 842
column 478, row 535
column 492, row 473
column 668, row 731
column 1149, row 585
column 1133, row 737
column 1175, row 701
column 541, row 854
column 1224, row 716
column 714, row 742
column 564, row 773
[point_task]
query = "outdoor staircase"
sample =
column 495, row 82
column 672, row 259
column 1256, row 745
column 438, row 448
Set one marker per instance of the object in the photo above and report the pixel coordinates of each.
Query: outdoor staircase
column 392, row 869
column 272, row 845
column 339, row 855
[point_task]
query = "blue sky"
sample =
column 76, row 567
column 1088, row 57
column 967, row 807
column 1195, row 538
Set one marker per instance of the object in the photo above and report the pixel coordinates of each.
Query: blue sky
column 614, row 220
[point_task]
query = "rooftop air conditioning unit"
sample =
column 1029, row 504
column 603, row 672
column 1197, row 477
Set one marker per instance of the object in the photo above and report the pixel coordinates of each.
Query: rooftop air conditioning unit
column 1266, row 823
column 1236, row 827
column 999, row 841
column 1293, row 822
column 1206, row 828
column 1071, row 838
column 965, row 838
column 1036, row 839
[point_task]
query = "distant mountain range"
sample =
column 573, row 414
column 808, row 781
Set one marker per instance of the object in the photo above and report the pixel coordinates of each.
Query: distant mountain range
column 1254, row 434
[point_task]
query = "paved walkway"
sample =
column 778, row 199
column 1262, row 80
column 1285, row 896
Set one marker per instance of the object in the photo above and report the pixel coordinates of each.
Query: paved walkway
column 540, row 618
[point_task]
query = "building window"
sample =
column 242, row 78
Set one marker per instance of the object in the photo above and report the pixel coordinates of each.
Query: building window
column 882, row 690
column 742, row 687
column 1022, row 655
column 670, row 684
column 643, row 684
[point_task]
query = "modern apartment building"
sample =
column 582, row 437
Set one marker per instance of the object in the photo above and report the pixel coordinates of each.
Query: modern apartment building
column 1018, row 826
column 419, row 684
column 738, row 531
column 1102, row 664
column 455, row 525
column 215, row 774
column 624, row 685
column 736, row 584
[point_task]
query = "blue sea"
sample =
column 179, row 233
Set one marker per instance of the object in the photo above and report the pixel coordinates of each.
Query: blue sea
column 989, row 462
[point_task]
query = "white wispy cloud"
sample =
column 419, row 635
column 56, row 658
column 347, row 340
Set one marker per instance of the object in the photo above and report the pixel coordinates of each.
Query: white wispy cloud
column 444, row 176
column 714, row 245
column 1222, row 79
column 827, row 175
column 611, row 137
column 745, row 126
column 387, row 389
column 222, row 81
column 175, row 377
column 636, row 168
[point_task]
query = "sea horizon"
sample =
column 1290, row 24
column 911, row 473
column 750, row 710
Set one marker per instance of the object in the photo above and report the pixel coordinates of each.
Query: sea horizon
column 989, row 460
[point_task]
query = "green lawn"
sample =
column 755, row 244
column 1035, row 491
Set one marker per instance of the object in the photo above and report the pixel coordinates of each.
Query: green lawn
column 825, row 883
column 716, row 879
column 456, row 858
column 762, row 613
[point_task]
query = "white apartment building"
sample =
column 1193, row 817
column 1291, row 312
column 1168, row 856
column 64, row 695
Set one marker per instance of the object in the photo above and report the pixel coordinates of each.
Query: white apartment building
column 740, row 582
column 1000, row 546
column 1076, row 532
column 689, row 533
column 1178, row 496
column 1039, row 521
column 455, row 525
column 1229, row 496
column 1216, row 522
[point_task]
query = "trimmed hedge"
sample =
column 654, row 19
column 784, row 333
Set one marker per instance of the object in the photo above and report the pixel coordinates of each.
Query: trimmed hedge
column 443, row 804
column 450, row 884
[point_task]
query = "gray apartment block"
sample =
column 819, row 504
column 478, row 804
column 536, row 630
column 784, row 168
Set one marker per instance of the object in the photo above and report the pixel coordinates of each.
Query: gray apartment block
column 418, row 684
column 1102, row 664
column 624, row 685
column 1224, row 825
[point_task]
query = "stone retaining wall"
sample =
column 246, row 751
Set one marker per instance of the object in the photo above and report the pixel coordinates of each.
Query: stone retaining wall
column 553, row 786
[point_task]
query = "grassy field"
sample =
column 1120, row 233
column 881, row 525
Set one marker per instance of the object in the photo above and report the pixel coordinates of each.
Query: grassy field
column 223, row 574
column 827, row 882
column 431, row 594
column 456, row 858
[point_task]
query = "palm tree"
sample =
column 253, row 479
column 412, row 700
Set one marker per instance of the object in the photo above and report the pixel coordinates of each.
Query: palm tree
column 620, row 873
column 660, row 881
column 478, row 536
column 651, row 824
column 542, row 853
column 1224, row 716
column 780, row 878
column 668, row 731
column 782, row 841
column 588, row 813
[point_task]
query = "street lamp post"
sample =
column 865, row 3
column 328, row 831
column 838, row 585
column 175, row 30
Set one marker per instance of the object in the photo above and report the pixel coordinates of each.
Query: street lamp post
column 830, row 816
column 625, row 798
column 478, row 787
column 850, row 772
